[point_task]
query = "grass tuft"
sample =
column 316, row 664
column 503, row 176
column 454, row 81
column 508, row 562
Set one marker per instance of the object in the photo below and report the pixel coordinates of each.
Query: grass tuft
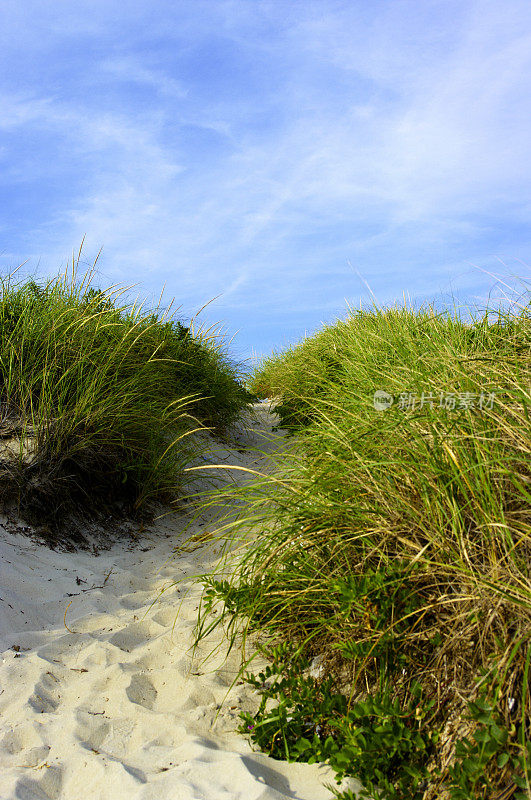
column 393, row 547
column 97, row 398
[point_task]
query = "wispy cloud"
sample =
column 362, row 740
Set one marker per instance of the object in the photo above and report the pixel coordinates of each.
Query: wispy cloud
column 251, row 149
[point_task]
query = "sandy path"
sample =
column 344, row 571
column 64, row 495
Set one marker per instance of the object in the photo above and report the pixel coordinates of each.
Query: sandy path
column 114, row 706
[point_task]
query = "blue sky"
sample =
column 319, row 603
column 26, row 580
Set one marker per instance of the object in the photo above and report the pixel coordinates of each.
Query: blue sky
column 284, row 155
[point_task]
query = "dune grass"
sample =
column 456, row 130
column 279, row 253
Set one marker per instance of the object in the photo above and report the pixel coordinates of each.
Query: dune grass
column 97, row 397
column 385, row 566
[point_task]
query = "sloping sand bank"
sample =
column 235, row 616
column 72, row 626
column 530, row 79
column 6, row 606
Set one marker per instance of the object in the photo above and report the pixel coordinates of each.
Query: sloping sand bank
column 99, row 695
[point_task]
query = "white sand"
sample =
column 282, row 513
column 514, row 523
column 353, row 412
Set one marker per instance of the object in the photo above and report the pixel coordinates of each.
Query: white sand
column 114, row 707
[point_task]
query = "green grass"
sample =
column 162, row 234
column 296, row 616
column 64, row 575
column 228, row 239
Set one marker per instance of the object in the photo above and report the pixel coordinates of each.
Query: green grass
column 396, row 546
column 97, row 397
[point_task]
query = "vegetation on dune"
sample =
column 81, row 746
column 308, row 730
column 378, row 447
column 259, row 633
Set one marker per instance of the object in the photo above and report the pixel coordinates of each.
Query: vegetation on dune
column 392, row 548
column 97, row 397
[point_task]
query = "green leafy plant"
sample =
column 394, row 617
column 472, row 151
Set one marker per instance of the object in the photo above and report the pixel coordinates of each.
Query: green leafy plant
column 383, row 600
column 378, row 740
column 488, row 745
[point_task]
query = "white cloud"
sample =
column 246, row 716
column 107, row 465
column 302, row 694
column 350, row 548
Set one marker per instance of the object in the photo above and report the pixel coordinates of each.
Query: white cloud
column 389, row 126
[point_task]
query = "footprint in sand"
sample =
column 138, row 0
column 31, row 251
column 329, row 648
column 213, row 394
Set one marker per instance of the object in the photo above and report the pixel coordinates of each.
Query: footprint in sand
column 167, row 616
column 46, row 788
column 23, row 744
column 90, row 732
column 96, row 623
column 142, row 691
column 171, row 660
column 166, row 691
column 136, row 600
column 136, row 635
column 64, row 649
column 46, row 695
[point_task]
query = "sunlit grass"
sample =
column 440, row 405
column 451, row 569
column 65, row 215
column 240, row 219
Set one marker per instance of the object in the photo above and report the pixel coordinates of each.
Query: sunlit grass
column 98, row 395
column 396, row 544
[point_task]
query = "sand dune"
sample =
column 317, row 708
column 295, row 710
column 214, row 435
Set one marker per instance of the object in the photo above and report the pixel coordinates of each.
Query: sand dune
column 99, row 694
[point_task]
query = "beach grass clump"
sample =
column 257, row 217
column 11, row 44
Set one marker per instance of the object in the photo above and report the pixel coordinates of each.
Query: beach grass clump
column 385, row 565
column 97, row 397
column 303, row 372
